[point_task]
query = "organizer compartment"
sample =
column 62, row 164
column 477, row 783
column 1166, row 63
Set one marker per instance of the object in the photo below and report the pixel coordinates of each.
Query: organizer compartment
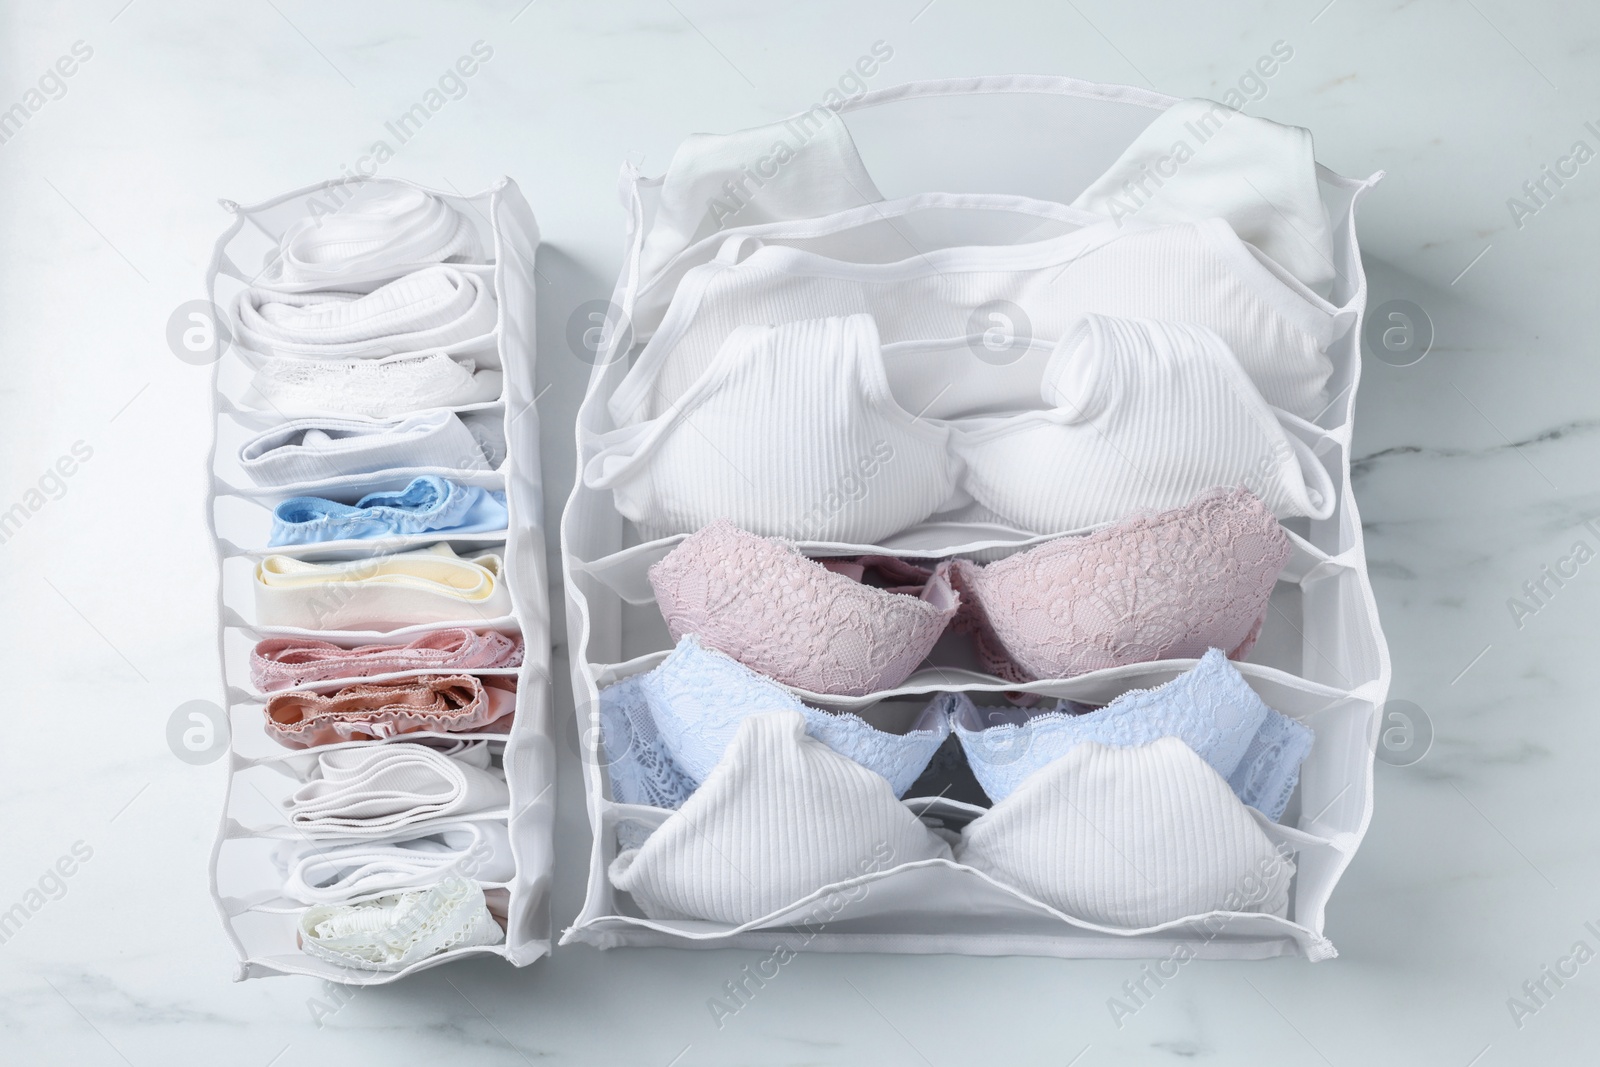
column 246, row 880
column 1321, row 658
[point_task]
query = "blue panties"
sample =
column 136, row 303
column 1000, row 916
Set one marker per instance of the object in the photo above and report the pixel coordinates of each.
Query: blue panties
column 430, row 504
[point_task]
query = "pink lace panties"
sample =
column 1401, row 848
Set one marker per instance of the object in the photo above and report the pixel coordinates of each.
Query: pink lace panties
column 366, row 711
column 282, row 662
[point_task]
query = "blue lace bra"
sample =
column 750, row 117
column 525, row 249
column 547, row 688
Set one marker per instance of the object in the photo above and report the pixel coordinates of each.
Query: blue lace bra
column 663, row 731
column 1210, row 708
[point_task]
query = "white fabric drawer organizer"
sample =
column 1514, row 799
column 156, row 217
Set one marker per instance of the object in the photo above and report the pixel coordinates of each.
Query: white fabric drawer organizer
column 443, row 839
column 805, row 218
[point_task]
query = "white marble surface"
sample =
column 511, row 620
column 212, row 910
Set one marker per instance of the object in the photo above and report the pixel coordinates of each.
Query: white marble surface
column 1476, row 470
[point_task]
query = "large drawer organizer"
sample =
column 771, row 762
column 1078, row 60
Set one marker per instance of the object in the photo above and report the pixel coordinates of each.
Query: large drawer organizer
column 258, row 839
column 1036, row 143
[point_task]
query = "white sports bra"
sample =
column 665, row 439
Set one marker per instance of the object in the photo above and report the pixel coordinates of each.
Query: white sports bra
column 813, row 431
column 1197, row 272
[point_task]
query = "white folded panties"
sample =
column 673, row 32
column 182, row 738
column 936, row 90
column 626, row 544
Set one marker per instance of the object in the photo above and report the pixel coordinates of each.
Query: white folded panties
column 322, row 447
column 376, row 790
column 385, row 229
column 435, row 308
column 337, row 872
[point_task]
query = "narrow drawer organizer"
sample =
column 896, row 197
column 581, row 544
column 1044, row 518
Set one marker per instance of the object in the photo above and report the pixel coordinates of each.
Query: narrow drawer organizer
column 257, row 838
column 1034, row 143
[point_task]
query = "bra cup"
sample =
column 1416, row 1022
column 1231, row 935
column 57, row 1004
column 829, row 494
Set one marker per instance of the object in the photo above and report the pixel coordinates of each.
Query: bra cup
column 762, row 603
column 1165, row 586
column 1075, row 383
column 781, row 817
column 729, row 450
column 1167, row 413
column 1129, row 837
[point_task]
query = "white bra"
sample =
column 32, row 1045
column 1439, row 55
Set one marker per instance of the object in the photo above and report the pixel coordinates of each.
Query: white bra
column 812, row 431
column 780, row 816
column 1123, row 837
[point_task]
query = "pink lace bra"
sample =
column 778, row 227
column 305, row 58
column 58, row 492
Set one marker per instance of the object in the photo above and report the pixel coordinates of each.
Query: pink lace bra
column 1163, row 586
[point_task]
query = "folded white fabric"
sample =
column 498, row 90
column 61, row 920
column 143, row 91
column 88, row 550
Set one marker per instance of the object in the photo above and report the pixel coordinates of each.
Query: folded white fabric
column 376, row 388
column 780, row 817
column 433, row 308
column 432, row 584
column 313, row 449
column 377, row 790
column 1129, row 837
column 332, row 872
column 1200, row 159
column 385, row 229
column 393, row 932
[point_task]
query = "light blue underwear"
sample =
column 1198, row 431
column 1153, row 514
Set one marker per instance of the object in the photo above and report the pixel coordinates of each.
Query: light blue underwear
column 430, row 504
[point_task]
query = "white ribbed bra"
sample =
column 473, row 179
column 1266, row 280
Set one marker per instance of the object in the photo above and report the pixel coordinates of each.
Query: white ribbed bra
column 815, row 430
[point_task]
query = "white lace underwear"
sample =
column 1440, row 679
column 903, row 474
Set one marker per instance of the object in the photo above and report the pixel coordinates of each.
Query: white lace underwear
column 377, row 388
column 391, row 933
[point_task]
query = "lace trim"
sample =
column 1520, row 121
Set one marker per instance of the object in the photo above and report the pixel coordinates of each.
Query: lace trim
column 377, row 388
column 1211, row 708
column 1166, row 585
column 665, row 730
column 282, row 662
column 393, row 932
column 371, row 711
column 798, row 621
